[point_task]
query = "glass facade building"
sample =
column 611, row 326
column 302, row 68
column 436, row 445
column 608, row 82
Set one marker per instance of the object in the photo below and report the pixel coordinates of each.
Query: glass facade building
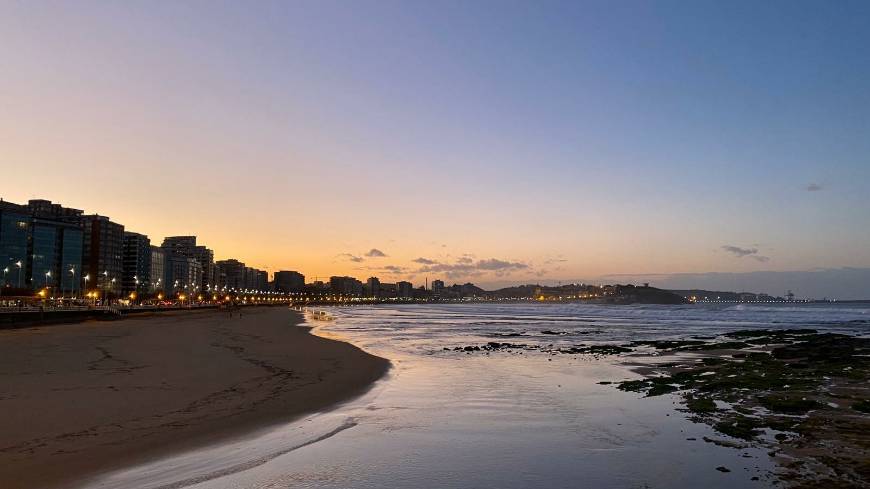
column 137, row 263
column 103, row 254
column 46, row 239
column 55, row 257
column 158, row 269
column 71, row 261
column 44, row 256
column 14, row 230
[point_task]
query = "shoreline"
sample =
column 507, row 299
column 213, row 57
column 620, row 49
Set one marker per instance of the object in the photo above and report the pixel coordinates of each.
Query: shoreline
column 800, row 395
column 88, row 398
column 797, row 393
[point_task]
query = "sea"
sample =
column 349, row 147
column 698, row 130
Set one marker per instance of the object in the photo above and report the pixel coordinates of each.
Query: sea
column 518, row 418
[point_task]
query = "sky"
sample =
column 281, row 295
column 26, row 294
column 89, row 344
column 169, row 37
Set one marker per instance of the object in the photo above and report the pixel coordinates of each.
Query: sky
column 493, row 142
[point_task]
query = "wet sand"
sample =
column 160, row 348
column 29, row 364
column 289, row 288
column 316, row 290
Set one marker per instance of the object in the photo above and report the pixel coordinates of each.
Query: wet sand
column 77, row 400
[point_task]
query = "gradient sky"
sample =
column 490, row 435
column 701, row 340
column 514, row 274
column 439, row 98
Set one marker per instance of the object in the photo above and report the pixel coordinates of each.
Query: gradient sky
column 498, row 141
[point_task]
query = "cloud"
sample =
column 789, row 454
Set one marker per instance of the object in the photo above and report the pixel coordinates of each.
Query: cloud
column 814, row 187
column 738, row 251
column 424, row 261
column 466, row 267
column 741, row 252
column 375, row 253
column 388, row 269
column 493, row 264
column 351, row 257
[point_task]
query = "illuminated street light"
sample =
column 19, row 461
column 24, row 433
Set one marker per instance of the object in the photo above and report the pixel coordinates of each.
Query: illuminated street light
column 72, row 282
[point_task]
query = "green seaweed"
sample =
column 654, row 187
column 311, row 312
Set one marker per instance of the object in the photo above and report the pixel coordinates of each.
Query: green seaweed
column 634, row 385
column 739, row 426
column 794, row 378
column 788, row 404
column 595, row 350
column 700, row 405
column 659, row 389
column 777, row 333
column 862, row 406
column 667, row 344
column 712, row 361
column 726, row 345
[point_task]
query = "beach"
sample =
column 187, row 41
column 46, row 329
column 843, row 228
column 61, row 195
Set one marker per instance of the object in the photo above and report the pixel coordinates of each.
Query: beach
column 478, row 395
column 546, row 411
column 77, row 400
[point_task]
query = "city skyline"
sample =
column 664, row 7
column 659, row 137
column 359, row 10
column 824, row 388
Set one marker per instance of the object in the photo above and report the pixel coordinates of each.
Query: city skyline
column 491, row 143
column 136, row 266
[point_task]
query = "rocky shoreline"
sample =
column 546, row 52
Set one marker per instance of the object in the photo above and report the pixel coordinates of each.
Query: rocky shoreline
column 802, row 395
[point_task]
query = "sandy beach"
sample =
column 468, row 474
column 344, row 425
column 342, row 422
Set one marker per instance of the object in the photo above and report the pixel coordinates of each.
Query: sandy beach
column 76, row 400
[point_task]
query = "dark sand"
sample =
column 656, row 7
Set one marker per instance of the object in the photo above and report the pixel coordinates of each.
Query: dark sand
column 79, row 399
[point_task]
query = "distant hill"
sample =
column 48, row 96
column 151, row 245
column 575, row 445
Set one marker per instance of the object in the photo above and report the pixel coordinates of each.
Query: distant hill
column 611, row 294
column 516, row 291
column 631, row 294
column 536, row 290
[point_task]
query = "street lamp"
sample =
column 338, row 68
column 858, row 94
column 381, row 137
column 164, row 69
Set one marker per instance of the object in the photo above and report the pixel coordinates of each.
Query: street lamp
column 87, row 277
column 72, row 282
column 18, row 264
column 47, row 275
column 105, row 286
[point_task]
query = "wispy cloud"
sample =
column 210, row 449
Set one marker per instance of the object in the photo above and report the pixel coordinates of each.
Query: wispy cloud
column 742, row 252
column 389, row 270
column 738, row 251
column 350, row 257
column 494, row 264
column 554, row 259
column 466, row 267
column 814, row 187
column 375, row 253
column 424, row 261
